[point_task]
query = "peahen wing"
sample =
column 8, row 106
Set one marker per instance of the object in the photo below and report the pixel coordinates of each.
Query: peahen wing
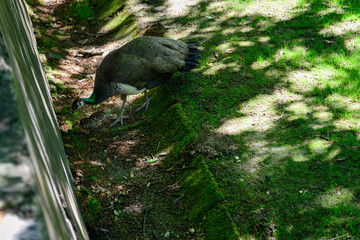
column 162, row 55
column 132, row 70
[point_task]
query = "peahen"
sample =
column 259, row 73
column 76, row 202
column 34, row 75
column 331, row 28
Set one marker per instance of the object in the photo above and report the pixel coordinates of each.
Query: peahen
column 143, row 63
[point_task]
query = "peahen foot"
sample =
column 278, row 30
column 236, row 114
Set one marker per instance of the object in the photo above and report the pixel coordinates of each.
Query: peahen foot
column 120, row 119
column 146, row 104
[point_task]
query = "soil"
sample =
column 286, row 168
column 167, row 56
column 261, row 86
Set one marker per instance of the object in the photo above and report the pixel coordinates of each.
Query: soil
column 123, row 190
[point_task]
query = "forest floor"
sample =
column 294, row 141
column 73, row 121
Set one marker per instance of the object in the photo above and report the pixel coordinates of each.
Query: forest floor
column 275, row 102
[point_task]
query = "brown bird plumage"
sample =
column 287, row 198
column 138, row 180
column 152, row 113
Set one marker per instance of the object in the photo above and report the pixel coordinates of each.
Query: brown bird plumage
column 143, row 63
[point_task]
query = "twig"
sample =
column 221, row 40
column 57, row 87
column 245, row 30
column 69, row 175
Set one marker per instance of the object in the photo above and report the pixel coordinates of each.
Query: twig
column 280, row 115
column 339, row 237
column 325, row 138
column 185, row 168
column 171, row 185
column 178, row 199
column 166, row 210
column 144, row 224
column 155, row 234
column 105, row 209
column 181, row 169
column 157, row 148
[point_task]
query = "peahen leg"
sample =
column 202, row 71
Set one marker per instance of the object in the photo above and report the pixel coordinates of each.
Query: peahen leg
column 146, row 104
column 121, row 118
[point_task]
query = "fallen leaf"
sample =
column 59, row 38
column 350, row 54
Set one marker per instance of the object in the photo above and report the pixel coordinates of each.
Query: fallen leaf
column 152, row 160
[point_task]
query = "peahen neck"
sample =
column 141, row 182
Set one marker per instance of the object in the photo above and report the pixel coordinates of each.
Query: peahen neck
column 90, row 100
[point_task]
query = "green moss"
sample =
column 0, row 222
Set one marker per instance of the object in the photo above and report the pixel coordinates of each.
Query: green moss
column 173, row 127
column 170, row 126
column 94, row 206
column 107, row 8
column 218, row 225
column 119, row 21
column 203, row 197
column 127, row 28
column 202, row 190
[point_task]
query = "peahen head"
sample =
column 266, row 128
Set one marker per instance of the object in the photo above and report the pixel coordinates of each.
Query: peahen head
column 77, row 103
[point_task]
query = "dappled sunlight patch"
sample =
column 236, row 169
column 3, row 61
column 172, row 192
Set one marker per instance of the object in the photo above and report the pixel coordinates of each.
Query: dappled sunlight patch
column 215, row 67
column 318, row 146
column 294, row 53
column 281, row 152
column 334, row 197
column 346, row 124
column 300, row 155
column 279, row 10
column 284, row 96
column 261, row 64
column 176, row 8
column 323, row 116
column 188, row 30
column 246, row 29
column 262, row 105
column 302, row 81
column 352, row 43
column 259, row 115
column 240, row 125
column 299, row 110
column 343, row 27
column 317, row 126
column 331, row 8
column 228, row 31
column 272, row 73
column 245, row 43
column 333, row 153
column 225, row 47
column 327, row 73
column 345, row 103
column 264, row 39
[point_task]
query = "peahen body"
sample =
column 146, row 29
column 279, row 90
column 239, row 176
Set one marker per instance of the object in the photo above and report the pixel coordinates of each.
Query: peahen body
column 143, row 63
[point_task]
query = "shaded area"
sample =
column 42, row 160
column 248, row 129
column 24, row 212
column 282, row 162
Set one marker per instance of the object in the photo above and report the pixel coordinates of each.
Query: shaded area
column 129, row 184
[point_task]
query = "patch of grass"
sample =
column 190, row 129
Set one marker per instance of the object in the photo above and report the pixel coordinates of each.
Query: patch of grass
column 94, row 206
column 280, row 79
column 80, row 10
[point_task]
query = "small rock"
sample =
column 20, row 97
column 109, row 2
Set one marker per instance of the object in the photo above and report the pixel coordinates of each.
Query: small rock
column 98, row 116
column 87, row 123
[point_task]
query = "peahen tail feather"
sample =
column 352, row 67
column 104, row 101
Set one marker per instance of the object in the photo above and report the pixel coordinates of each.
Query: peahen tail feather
column 193, row 57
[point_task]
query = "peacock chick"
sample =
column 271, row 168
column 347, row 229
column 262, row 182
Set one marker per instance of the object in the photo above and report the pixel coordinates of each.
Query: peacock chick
column 141, row 64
